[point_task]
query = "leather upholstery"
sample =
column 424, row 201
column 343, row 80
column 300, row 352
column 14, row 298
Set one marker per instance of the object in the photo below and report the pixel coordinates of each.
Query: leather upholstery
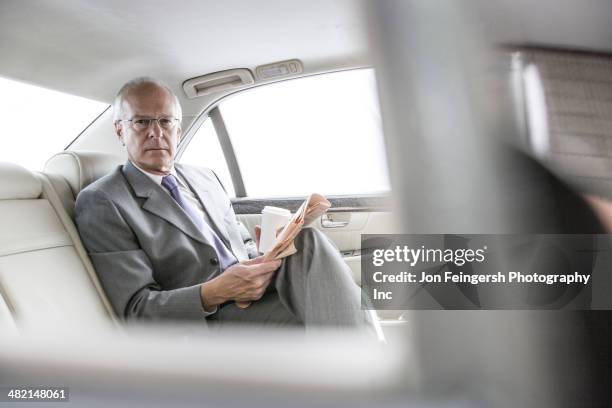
column 81, row 168
column 45, row 275
column 18, row 183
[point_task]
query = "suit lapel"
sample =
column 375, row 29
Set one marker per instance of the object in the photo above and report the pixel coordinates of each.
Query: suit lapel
column 159, row 203
column 202, row 192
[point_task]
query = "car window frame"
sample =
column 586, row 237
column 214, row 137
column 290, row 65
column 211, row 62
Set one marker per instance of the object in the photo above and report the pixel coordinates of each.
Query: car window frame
column 212, row 109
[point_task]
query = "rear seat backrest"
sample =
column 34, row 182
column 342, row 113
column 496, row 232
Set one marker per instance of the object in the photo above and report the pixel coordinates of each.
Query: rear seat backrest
column 81, row 168
column 45, row 275
column 71, row 171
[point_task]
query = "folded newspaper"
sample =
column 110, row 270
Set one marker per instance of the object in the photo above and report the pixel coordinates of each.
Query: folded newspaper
column 311, row 209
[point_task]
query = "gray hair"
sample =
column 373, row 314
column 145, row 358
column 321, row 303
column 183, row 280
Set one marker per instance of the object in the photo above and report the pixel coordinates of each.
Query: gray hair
column 136, row 82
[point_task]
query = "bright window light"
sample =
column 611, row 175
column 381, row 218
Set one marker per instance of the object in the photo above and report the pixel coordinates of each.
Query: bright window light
column 318, row 134
column 537, row 112
column 39, row 122
column 205, row 150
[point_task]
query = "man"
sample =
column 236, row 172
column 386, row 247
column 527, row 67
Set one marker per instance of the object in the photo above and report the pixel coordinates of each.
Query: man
column 166, row 243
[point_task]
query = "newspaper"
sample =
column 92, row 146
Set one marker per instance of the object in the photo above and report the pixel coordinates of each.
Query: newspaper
column 311, row 209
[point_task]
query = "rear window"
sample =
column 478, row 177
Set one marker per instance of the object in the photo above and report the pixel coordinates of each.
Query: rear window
column 39, row 122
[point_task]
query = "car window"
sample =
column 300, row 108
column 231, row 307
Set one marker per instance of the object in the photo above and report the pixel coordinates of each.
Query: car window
column 39, row 122
column 205, row 150
column 316, row 134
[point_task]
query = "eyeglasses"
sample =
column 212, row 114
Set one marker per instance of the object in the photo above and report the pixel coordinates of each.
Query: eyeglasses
column 167, row 123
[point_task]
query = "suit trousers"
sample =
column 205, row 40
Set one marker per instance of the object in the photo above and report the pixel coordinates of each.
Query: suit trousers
column 312, row 288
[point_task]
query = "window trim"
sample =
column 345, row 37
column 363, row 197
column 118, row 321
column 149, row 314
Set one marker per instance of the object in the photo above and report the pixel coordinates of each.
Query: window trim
column 87, row 127
column 228, row 151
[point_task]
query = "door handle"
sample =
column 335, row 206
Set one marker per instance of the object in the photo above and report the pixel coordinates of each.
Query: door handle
column 327, row 221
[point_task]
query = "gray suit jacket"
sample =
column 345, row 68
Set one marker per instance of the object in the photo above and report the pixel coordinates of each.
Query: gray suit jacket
column 149, row 255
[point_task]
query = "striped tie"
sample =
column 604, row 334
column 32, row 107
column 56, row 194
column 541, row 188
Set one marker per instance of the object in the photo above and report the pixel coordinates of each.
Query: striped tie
column 226, row 258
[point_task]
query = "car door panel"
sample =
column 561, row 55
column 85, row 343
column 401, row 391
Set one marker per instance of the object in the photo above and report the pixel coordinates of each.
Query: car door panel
column 350, row 217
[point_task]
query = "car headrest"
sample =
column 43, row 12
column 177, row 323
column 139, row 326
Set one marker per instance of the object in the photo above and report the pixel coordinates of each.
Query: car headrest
column 18, row 183
column 81, row 168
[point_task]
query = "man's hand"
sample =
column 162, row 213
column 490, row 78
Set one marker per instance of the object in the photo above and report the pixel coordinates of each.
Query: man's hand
column 243, row 282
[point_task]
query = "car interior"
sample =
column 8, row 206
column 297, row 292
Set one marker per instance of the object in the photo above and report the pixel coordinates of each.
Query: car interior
column 443, row 85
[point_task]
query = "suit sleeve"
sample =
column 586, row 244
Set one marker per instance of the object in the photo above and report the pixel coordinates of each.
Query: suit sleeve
column 124, row 269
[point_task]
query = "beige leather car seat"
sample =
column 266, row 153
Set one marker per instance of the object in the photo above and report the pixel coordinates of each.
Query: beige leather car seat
column 45, row 274
column 71, row 171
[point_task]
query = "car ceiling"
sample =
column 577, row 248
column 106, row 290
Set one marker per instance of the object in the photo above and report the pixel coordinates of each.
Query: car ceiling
column 90, row 47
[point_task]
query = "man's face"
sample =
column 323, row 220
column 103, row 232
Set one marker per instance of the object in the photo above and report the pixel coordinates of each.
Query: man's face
column 151, row 148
